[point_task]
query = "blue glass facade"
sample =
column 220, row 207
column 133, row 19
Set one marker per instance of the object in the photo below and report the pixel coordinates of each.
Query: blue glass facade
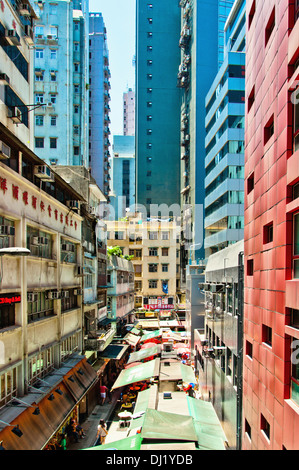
column 224, row 141
column 202, row 48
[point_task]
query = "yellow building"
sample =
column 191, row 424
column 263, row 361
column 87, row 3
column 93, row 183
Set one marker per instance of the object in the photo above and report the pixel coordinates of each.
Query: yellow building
column 154, row 246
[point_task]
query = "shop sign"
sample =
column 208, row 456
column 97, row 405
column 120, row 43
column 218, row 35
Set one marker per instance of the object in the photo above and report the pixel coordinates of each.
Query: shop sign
column 10, row 299
column 159, row 307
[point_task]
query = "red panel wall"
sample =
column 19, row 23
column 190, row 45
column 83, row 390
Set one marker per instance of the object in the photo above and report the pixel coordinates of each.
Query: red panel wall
column 270, row 291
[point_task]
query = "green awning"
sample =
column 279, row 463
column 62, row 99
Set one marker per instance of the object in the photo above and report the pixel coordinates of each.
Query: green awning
column 135, row 331
column 128, row 443
column 161, row 425
column 188, row 374
column 208, row 442
column 137, row 373
column 152, row 334
column 140, row 407
column 206, row 420
column 143, row 354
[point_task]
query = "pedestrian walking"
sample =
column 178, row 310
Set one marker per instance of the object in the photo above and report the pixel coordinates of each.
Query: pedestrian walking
column 103, row 393
column 102, row 433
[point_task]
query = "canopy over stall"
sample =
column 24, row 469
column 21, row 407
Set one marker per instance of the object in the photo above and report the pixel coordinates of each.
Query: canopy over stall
column 161, row 425
column 128, row 443
column 138, row 373
column 144, row 354
column 151, row 335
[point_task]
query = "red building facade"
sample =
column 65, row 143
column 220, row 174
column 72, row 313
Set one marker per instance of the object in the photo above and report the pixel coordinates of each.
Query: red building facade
column 271, row 235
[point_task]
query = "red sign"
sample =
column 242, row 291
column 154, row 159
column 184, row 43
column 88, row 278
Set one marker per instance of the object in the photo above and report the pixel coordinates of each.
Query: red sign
column 158, row 307
column 10, row 299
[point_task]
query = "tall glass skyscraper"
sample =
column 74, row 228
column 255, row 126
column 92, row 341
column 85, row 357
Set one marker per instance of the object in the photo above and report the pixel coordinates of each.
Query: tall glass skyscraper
column 201, row 42
column 224, row 142
column 157, row 103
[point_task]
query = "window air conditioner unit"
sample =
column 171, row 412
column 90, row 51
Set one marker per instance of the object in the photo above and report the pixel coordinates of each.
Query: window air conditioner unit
column 39, row 36
column 24, row 9
column 73, row 204
column 78, row 292
column 7, row 230
column 44, row 172
column 4, row 151
column 4, row 79
column 29, row 35
column 32, row 297
column 15, row 114
column 53, row 295
column 12, row 37
column 39, row 241
column 49, row 105
column 67, row 247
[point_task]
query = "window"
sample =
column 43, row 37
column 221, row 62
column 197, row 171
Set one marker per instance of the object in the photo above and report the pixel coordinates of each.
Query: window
column 149, row 62
column 152, row 268
column 251, row 14
column 53, row 76
column 53, row 142
column 53, row 120
column 270, row 26
column 165, row 235
column 39, row 142
column 296, row 118
column 267, row 335
column 164, row 251
column 76, row 88
column 53, row 53
column 294, row 318
column 251, row 98
column 296, row 245
column 76, row 109
column 69, row 300
column 153, row 235
column 76, row 67
column 149, row 34
column 39, row 98
column 153, row 251
column 152, row 284
column 268, row 233
column 8, row 385
column 269, row 129
column 165, row 268
column 39, row 77
column 148, row 187
column 39, row 306
column 39, row 30
column 296, row 10
column 76, row 46
column 149, row 76
column 53, row 98
column 39, row 53
column 250, row 183
column 250, row 268
column 265, row 427
column 40, row 364
column 248, row 349
column 39, row 120
column 39, row 243
column 247, row 429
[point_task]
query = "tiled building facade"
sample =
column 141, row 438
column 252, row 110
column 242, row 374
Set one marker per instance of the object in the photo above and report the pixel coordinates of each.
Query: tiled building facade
column 271, row 404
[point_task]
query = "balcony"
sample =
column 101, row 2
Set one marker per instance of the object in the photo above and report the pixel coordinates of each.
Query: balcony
column 101, row 342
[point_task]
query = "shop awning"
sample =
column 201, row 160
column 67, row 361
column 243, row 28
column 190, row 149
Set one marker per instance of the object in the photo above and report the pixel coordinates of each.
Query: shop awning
column 148, row 324
column 128, row 443
column 107, row 321
column 206, row 420
column 135, row 331
column 161, row 425
column 144, row 353
column 188, row 374
column 131, row 339
column 140, row 409
column 38, row 429
column 138, row 373
column 114, row 351
column 150, row 335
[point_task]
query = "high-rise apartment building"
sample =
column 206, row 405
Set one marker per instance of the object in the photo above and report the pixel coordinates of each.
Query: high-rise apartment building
column 122, row 195
column 129, row 112
column 61, row 75
column 157, row 103
column 224, row 162
column 99, row 97
column 201, row 43
column 271, row 233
